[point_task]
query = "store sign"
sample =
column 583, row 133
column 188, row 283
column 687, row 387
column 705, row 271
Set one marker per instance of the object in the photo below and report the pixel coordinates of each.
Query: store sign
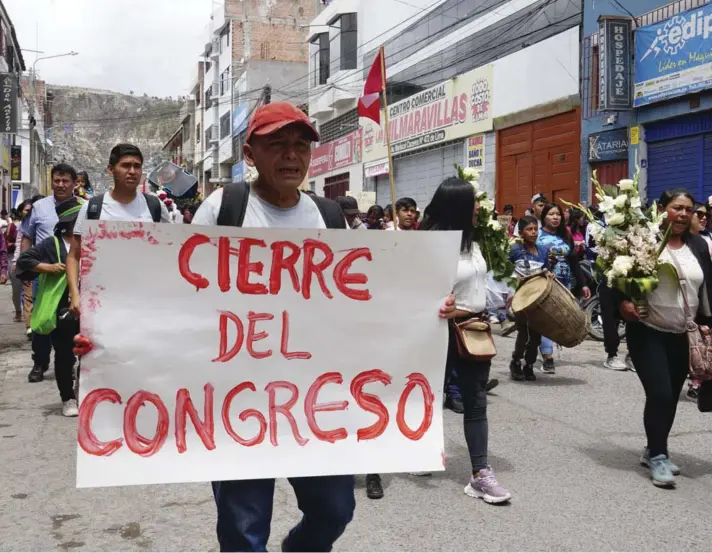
column 239, row 119
column 454, row 109
column 476, row 152
column 8, row 103
column 673, row 57
column 608, row 146
column 371, row 171
column 15, row 162
column 615, row 40
column 336, row 154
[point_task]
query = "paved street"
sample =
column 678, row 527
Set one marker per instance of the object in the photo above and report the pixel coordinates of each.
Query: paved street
column 566, row 446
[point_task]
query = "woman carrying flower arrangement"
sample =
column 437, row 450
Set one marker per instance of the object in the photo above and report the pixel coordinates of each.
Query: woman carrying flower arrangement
column 657, row 340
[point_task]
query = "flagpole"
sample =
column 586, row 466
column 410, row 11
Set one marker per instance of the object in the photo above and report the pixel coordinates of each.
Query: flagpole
column 388, row 139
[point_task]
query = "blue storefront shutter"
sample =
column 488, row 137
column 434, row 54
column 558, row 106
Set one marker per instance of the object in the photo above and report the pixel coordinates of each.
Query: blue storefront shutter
column 677, row 163
column 707, row 169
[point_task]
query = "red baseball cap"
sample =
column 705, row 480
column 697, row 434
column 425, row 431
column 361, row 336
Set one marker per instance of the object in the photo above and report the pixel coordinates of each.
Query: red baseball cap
column 272, row 117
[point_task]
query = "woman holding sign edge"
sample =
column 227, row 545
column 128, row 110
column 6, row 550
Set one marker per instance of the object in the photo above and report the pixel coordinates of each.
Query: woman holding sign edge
column 454, row 207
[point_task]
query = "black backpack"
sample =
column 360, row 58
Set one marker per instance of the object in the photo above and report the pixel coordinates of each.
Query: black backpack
column 236, row 196
column 96, row 203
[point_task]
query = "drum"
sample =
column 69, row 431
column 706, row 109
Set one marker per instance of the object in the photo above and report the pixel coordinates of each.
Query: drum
column 551, row 310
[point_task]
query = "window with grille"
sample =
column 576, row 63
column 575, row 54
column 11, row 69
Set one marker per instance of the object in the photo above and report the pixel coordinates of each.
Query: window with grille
column 225, row 125
column 339, row 126
column 264, row 51
column 208, row 134
column 225, row 81
column 349, row 41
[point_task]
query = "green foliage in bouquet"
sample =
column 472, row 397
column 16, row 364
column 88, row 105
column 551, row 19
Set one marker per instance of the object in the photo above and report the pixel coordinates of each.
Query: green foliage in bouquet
column 489, row 233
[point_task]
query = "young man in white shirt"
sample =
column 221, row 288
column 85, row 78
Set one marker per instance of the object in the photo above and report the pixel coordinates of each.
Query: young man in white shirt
column 122, row 203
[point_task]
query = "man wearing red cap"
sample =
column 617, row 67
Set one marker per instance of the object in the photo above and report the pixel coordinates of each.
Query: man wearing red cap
column 278, row 145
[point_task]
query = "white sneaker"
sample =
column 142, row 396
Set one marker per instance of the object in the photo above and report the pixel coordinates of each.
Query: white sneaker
column 615, row 364
column 420, row 473
column 70, row 408
column 629, row 363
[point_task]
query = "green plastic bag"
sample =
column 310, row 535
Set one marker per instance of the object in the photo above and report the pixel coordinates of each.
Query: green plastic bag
column 50, row 291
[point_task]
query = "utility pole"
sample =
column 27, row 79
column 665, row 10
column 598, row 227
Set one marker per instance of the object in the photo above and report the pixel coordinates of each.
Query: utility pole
column 215, row 99
column 268, row 94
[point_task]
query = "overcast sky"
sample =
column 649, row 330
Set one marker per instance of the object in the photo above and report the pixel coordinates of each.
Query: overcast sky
column 149, row 46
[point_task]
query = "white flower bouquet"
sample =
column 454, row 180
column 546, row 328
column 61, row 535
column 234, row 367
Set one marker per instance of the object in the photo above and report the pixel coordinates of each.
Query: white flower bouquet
column 489, row 233
column 629, row 241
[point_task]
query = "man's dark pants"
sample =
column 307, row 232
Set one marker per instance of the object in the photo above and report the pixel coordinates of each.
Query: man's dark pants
column 609, row 320
column 245, row 513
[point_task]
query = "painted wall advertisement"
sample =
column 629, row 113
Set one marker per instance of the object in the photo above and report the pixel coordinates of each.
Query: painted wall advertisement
column 336, row 154
column 674, row 57
column 454, row 109
column 475, row 152
column 615, row 36
column 15, row 162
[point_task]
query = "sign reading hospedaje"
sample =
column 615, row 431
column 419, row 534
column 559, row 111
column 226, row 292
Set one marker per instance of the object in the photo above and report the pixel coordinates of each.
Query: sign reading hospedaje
column 674, row 57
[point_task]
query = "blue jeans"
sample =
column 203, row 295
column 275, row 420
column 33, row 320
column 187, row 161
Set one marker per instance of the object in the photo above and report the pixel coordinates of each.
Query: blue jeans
column 245, row 513
column 546, row 347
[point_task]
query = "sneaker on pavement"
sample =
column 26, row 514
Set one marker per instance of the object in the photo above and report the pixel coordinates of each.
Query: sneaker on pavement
column 645, row 461
column 36, row 374
column 455, row 404
column 660, row 471
column 548, row 366
column 374, row 489
column 420, row 473
column 484, row 486
column 629, row 362
column 70, row 408
column 692, row 393
column 615, row 364
column 491, row 384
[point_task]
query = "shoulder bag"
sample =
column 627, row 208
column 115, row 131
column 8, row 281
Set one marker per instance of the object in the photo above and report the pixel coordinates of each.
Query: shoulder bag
column 49, row 293
column 474, row 339
column 699, row 338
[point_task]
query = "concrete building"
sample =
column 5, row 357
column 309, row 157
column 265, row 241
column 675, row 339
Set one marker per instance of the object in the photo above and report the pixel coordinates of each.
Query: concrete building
column 647, row 98
column 12, row 64
column 261, row 42
column 477, row 56
column 180, row 148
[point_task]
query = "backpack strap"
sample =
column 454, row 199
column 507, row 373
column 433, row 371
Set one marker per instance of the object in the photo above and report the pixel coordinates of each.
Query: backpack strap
column 94, row 208
column 234, row 204
column 154, row 206
column 330, row 212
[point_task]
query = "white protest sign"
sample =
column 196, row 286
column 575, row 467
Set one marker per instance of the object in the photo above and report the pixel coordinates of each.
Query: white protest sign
column 260, row 353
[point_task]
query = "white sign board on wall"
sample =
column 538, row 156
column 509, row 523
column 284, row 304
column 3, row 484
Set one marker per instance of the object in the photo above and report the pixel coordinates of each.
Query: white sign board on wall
column 260, row 353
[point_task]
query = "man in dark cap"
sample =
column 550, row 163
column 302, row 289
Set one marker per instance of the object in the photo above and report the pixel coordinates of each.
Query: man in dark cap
column 51, row 317
column 349, row 206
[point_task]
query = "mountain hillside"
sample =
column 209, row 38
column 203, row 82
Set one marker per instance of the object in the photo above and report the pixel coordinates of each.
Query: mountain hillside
column 87, row 123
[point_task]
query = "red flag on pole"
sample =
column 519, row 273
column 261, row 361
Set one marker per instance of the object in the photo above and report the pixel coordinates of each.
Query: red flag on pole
column 369, row 104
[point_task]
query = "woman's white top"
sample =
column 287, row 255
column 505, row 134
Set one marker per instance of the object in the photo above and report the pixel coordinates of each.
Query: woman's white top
column 470, row 288
column 666, row 306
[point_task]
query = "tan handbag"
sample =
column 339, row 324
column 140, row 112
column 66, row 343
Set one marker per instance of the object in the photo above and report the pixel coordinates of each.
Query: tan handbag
column 699, row 338
column 474, row 340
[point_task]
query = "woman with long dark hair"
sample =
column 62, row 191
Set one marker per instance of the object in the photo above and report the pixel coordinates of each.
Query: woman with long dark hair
column 454, row 207
column 556, row 238
column 658, row 343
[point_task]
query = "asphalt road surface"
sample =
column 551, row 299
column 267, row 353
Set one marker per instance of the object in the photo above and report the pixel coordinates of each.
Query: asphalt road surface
column 566, row 446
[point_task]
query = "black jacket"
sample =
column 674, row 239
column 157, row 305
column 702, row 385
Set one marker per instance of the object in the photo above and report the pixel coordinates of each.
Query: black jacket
column 44, row 252
column 700, row 249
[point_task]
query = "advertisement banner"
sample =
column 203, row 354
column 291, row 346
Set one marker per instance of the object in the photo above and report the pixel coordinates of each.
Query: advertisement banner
column 476, row 152
column 254, row 373
column 239, row 119
column 336, row 154
column 608, row 146
column 615, row 39
column 454, row 109
column 8, row 103
column 15, row 162
column 674, row 57
column 376, row 169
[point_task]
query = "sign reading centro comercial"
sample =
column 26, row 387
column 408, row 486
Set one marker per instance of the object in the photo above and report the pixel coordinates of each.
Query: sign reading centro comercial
column 674, row 57
column 454, row 109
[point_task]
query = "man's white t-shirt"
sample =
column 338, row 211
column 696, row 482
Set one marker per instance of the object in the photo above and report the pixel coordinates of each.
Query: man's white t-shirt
column 259, row 213
column 111, row 210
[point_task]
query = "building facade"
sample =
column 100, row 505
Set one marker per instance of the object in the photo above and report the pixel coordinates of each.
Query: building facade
column 260, row 44
column 647, row 99
column 465, row 86
column 12, row 65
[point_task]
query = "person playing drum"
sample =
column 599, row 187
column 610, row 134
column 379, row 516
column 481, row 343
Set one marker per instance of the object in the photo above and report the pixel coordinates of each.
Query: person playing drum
column 531, row 255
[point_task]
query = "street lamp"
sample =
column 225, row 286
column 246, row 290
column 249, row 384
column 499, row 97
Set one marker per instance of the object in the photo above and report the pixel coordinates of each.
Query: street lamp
column 72, row 53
